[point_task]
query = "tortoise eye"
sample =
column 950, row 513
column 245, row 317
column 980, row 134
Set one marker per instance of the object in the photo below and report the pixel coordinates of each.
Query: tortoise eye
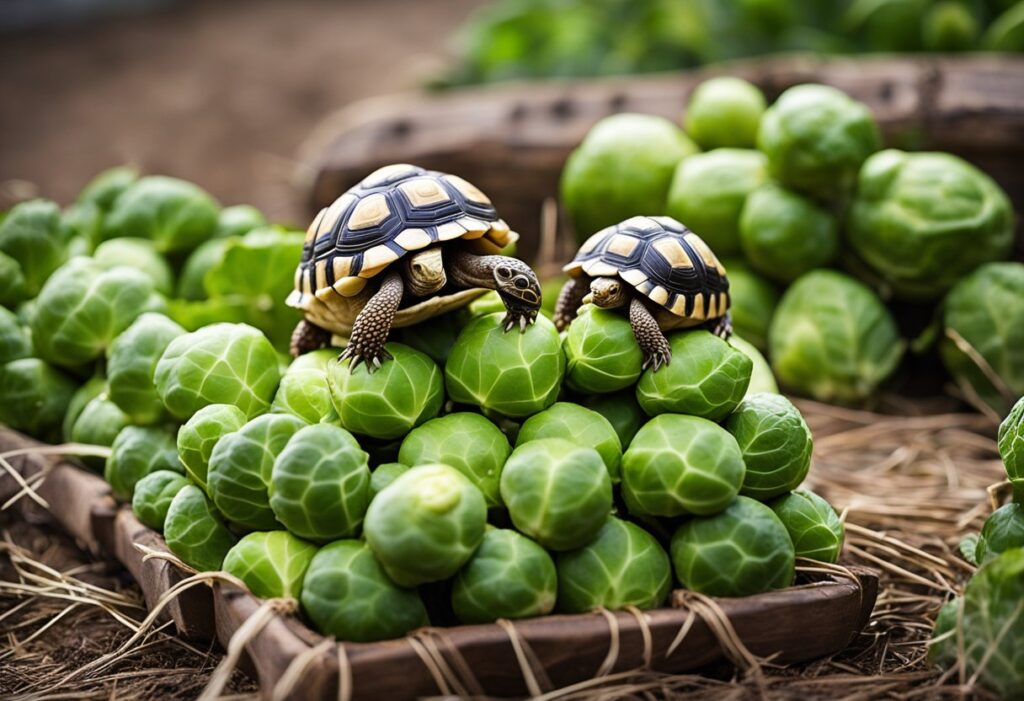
column 504, row 272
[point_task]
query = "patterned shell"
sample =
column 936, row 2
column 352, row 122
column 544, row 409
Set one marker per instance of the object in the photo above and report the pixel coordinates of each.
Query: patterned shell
column 393, row 211
column 663, row 260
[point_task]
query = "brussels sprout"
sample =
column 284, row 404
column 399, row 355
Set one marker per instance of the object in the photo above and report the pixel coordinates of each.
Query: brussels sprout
column 761, row 377
column 708, row 192
column 1011, row 447
column 93, row 388
column 1003, row 529
column 724, row 112
column 557, row 492
column 742, row 551
column 949, row 26
column 468, row 442
column 509, row 576
column 106, row 187
column 136, row 452
column 601, row 352
column 885, row 25
column 175, row 215
column 83, row 307
column 681, row 464
column 131, row 364
column 320, row 483
column 784, row 234
column 304, row 391
column 623, row 566
column 921, row 221
column 208, row 255
column 385, row 474
column 199, row 436
column 347, row 594
column 816, row 138
column 139, row 254
column 218, row 364
column 15, row 342
column 238, row 220
column 707, row 377
column 238, row 474
column 753, row 303
column 943, row 652
column 437, row 337
column 98, row 424
column 83, row 222
column 812, row 523
column 272, row 564
column 514, row 374
column 485, row 304
column 34, row 397
column 387, row 403
column 775, row 442
column 12, row 282
column 195, row 532
column 623, row 168
column 832, row 338
column 984, row 328
column 425, row 525
column 621, row 410
column 579, row 425
column 153, row 496
column 32, row 235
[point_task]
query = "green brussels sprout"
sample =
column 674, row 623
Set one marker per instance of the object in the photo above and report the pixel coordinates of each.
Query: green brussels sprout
column 623, row 168
column 921, row 221
column 34, row 397
column 401, row 395
column 218, row 364
column 239, row 470
column 743, row 550
column 195, row 532
column 320, row 483
column 304, row 391
column 238, row 220
column 1003, row 529
column 15, row 342
column 708, row 192
column 681, row 465
column 509, row 576
column 1006, row 33
column 199, row 436
column 579, row 425
column 174, row 214
column 557, row 492
column 949, row 26
column 707, row 377
column 12, row 282
column 272, row 564
column 621, row 410
column 98, row 424
column 761, row 377
column 514, row 374
column 885, row 25
column 153, row 496
column 812, row 523
column 208, row 255
column 347, row 594
column 83, row 222
column 753, row 303
column 437, row 337
column 775, row 442
column 601, row 352
column 131, row 364
column 784, row 234
column 485, row 304
column 106, row 187
column 92, row 388
column 468, row 442
column 724, row 112
column 33, row 236
column 83, row 307
column 983, row 348
column 833, row 339
column 816, row 138
column 425, row 525
column 138, row 451
column 623, row 566
column 1011, row 447
column 385, row 474
column 943, row 652
column 139, row 254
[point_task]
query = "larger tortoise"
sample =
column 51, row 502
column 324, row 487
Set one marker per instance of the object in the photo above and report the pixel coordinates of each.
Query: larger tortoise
column 660, row 271
column 403, row 245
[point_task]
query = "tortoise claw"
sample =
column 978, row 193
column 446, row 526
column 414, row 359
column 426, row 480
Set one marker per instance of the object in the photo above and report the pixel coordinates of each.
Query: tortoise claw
column 656, row 361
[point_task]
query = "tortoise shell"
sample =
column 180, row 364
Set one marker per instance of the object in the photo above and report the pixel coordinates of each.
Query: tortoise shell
column 663, row 260
column 395, row 210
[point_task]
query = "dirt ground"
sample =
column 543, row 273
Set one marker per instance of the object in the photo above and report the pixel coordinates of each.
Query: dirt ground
column 218, row 92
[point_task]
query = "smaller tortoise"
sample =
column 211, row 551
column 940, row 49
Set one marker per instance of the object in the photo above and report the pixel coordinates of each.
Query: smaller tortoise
column 660, row 271
column 403, row 245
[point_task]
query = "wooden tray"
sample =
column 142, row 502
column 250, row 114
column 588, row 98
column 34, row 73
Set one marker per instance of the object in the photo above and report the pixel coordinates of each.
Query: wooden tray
column 801, row 623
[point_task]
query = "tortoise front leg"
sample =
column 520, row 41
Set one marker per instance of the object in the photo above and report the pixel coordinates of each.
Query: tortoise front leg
column 308, row 337
column 373, row 324
column 569, row 301
column 514, row 281
column 722, row 326
column 652, row 341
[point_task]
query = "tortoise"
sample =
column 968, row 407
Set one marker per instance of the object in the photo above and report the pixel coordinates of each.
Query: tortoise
column 662, row 273
column 403, row 245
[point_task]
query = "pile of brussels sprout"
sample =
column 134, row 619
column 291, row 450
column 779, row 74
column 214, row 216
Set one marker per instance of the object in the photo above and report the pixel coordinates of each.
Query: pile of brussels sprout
column 824, row 234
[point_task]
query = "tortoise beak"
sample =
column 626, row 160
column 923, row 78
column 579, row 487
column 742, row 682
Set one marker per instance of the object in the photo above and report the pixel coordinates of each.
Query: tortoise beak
column 589, row 299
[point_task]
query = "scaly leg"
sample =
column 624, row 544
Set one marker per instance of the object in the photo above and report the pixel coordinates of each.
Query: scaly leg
column 372, row 326
column 652, row 341
column 569, row 301
column 722, row 326
column 307, row 337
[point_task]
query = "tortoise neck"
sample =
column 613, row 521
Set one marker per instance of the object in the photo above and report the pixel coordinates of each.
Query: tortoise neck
column 469, row 270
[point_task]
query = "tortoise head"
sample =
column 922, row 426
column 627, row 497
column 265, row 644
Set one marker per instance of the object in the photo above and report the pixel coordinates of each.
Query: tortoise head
column 607, row 293
column 424, row 272
column 517, row 285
